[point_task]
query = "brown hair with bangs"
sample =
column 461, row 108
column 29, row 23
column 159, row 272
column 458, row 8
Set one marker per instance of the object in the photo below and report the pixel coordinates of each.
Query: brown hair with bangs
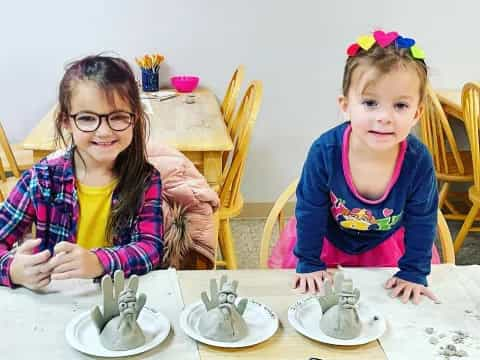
column 114, row 76
column 384, row 60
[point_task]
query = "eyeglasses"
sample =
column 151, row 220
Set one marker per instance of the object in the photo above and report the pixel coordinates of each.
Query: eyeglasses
column 90, row 121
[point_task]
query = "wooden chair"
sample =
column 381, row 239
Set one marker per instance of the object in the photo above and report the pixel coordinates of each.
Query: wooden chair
column 275, row 216
column 451, row 164
column 471, row 113
column 230, row 99
column 231, row 200
column 10, row 154
column 9, row 171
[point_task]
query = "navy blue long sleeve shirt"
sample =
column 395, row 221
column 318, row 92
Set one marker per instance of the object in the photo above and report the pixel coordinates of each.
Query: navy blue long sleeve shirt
column 329, row 206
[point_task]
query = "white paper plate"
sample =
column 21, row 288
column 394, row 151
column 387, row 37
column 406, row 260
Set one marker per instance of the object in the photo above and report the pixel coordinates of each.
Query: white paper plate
column 82, row 334
column 262, row 323
column 305, row 316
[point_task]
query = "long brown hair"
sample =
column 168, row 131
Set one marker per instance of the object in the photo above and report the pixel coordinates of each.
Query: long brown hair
column 114, row 76
column 384, row 60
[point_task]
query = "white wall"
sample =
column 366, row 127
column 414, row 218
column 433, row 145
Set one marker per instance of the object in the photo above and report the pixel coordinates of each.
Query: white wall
column 296, row 47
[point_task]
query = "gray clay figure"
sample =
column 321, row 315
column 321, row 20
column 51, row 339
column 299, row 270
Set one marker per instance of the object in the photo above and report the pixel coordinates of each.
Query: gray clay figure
column 223, row 320
column 118, row 326
column 340, row 314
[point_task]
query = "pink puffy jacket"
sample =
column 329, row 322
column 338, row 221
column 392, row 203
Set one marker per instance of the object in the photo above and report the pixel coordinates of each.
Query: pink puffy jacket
column 188, row 206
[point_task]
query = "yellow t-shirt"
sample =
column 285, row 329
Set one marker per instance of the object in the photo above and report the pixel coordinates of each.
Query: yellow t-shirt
column 95, row 203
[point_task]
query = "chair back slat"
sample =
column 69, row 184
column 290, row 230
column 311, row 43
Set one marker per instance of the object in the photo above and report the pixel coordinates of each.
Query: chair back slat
column 241, row 130
column 230, row 98
column 438, row 136
column 471, row 113
column 7, row 149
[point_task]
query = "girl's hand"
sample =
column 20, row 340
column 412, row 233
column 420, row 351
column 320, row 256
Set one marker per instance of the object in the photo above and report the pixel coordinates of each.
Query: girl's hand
column 406, row 290
column 71, row 261
column 310, row 282
column 28, row 269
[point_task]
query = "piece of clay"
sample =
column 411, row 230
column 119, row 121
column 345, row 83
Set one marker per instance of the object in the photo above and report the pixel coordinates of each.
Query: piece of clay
column 118, row 326
column 451, row 351
column 429, row 330
column 223, row 320
column 433, row 340
column 340, row 314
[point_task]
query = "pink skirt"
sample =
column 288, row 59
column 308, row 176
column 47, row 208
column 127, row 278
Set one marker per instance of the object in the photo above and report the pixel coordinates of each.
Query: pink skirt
column 386, row 254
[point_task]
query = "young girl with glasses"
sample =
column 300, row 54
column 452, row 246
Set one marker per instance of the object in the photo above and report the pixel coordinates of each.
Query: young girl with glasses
column 97, row 204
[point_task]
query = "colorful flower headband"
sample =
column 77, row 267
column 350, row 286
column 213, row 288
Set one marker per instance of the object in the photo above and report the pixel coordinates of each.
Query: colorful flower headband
column 385, row 39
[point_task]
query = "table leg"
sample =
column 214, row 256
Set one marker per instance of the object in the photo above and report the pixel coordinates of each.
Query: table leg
column 212, row 168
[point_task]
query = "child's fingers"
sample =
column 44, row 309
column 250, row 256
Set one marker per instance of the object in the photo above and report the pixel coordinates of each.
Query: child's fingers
column 407, row 292
column 390, row 283
column 64, row 246
column 311, row 287
column 40, row 283
column 46, row 267
column 34, row 274
column 294, row 284
column 428, row 293
column 68, row 266
column 302, row 286
column 319, row 284
column 28, row 246
column 40, row 278
column 36, row 259
column 396, row 290
column 417, row 296
column 60, row 259
column 328, row 276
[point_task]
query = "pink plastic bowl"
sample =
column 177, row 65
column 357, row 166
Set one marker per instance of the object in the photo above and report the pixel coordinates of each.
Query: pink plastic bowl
column 185, row 84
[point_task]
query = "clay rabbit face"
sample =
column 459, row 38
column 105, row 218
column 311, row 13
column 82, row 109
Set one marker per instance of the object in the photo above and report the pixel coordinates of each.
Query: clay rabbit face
column 128, row 311
column 226, row 297
column 223, row 319
column 348, row 301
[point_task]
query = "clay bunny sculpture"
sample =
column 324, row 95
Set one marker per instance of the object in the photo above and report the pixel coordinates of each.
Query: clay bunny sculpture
column 117, row 326
column 223, row 320
column 340, row 316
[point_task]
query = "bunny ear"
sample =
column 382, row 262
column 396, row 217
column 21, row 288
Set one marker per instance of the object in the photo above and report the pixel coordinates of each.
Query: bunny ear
column 97, row 319
column 133, row 283
column 205, row 299
column 107, row 288
column 338, row 281
column 242, row 305
column 327, row 288
column 110, row 308
column 213, row 289
column 356, row 293
column 235, row 285
column 142, row 299
column 223, row 280
column 119, row 282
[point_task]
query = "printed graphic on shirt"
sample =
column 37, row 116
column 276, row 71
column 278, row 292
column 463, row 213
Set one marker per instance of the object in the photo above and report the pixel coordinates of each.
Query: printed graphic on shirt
column 361, row 219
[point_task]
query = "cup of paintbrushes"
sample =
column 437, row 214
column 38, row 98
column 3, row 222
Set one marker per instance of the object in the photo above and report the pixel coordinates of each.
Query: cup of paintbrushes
column 149, row 65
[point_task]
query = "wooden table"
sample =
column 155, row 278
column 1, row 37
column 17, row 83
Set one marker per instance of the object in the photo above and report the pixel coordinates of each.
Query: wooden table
column 451, row 101
column 197, row 130
column 270, row 287
column 32, row 324
column 458, row 287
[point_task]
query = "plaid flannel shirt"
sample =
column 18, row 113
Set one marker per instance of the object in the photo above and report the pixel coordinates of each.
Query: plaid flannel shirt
column 46, row 195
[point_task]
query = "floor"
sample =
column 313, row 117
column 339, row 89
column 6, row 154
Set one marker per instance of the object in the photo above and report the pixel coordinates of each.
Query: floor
column 248, row 233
